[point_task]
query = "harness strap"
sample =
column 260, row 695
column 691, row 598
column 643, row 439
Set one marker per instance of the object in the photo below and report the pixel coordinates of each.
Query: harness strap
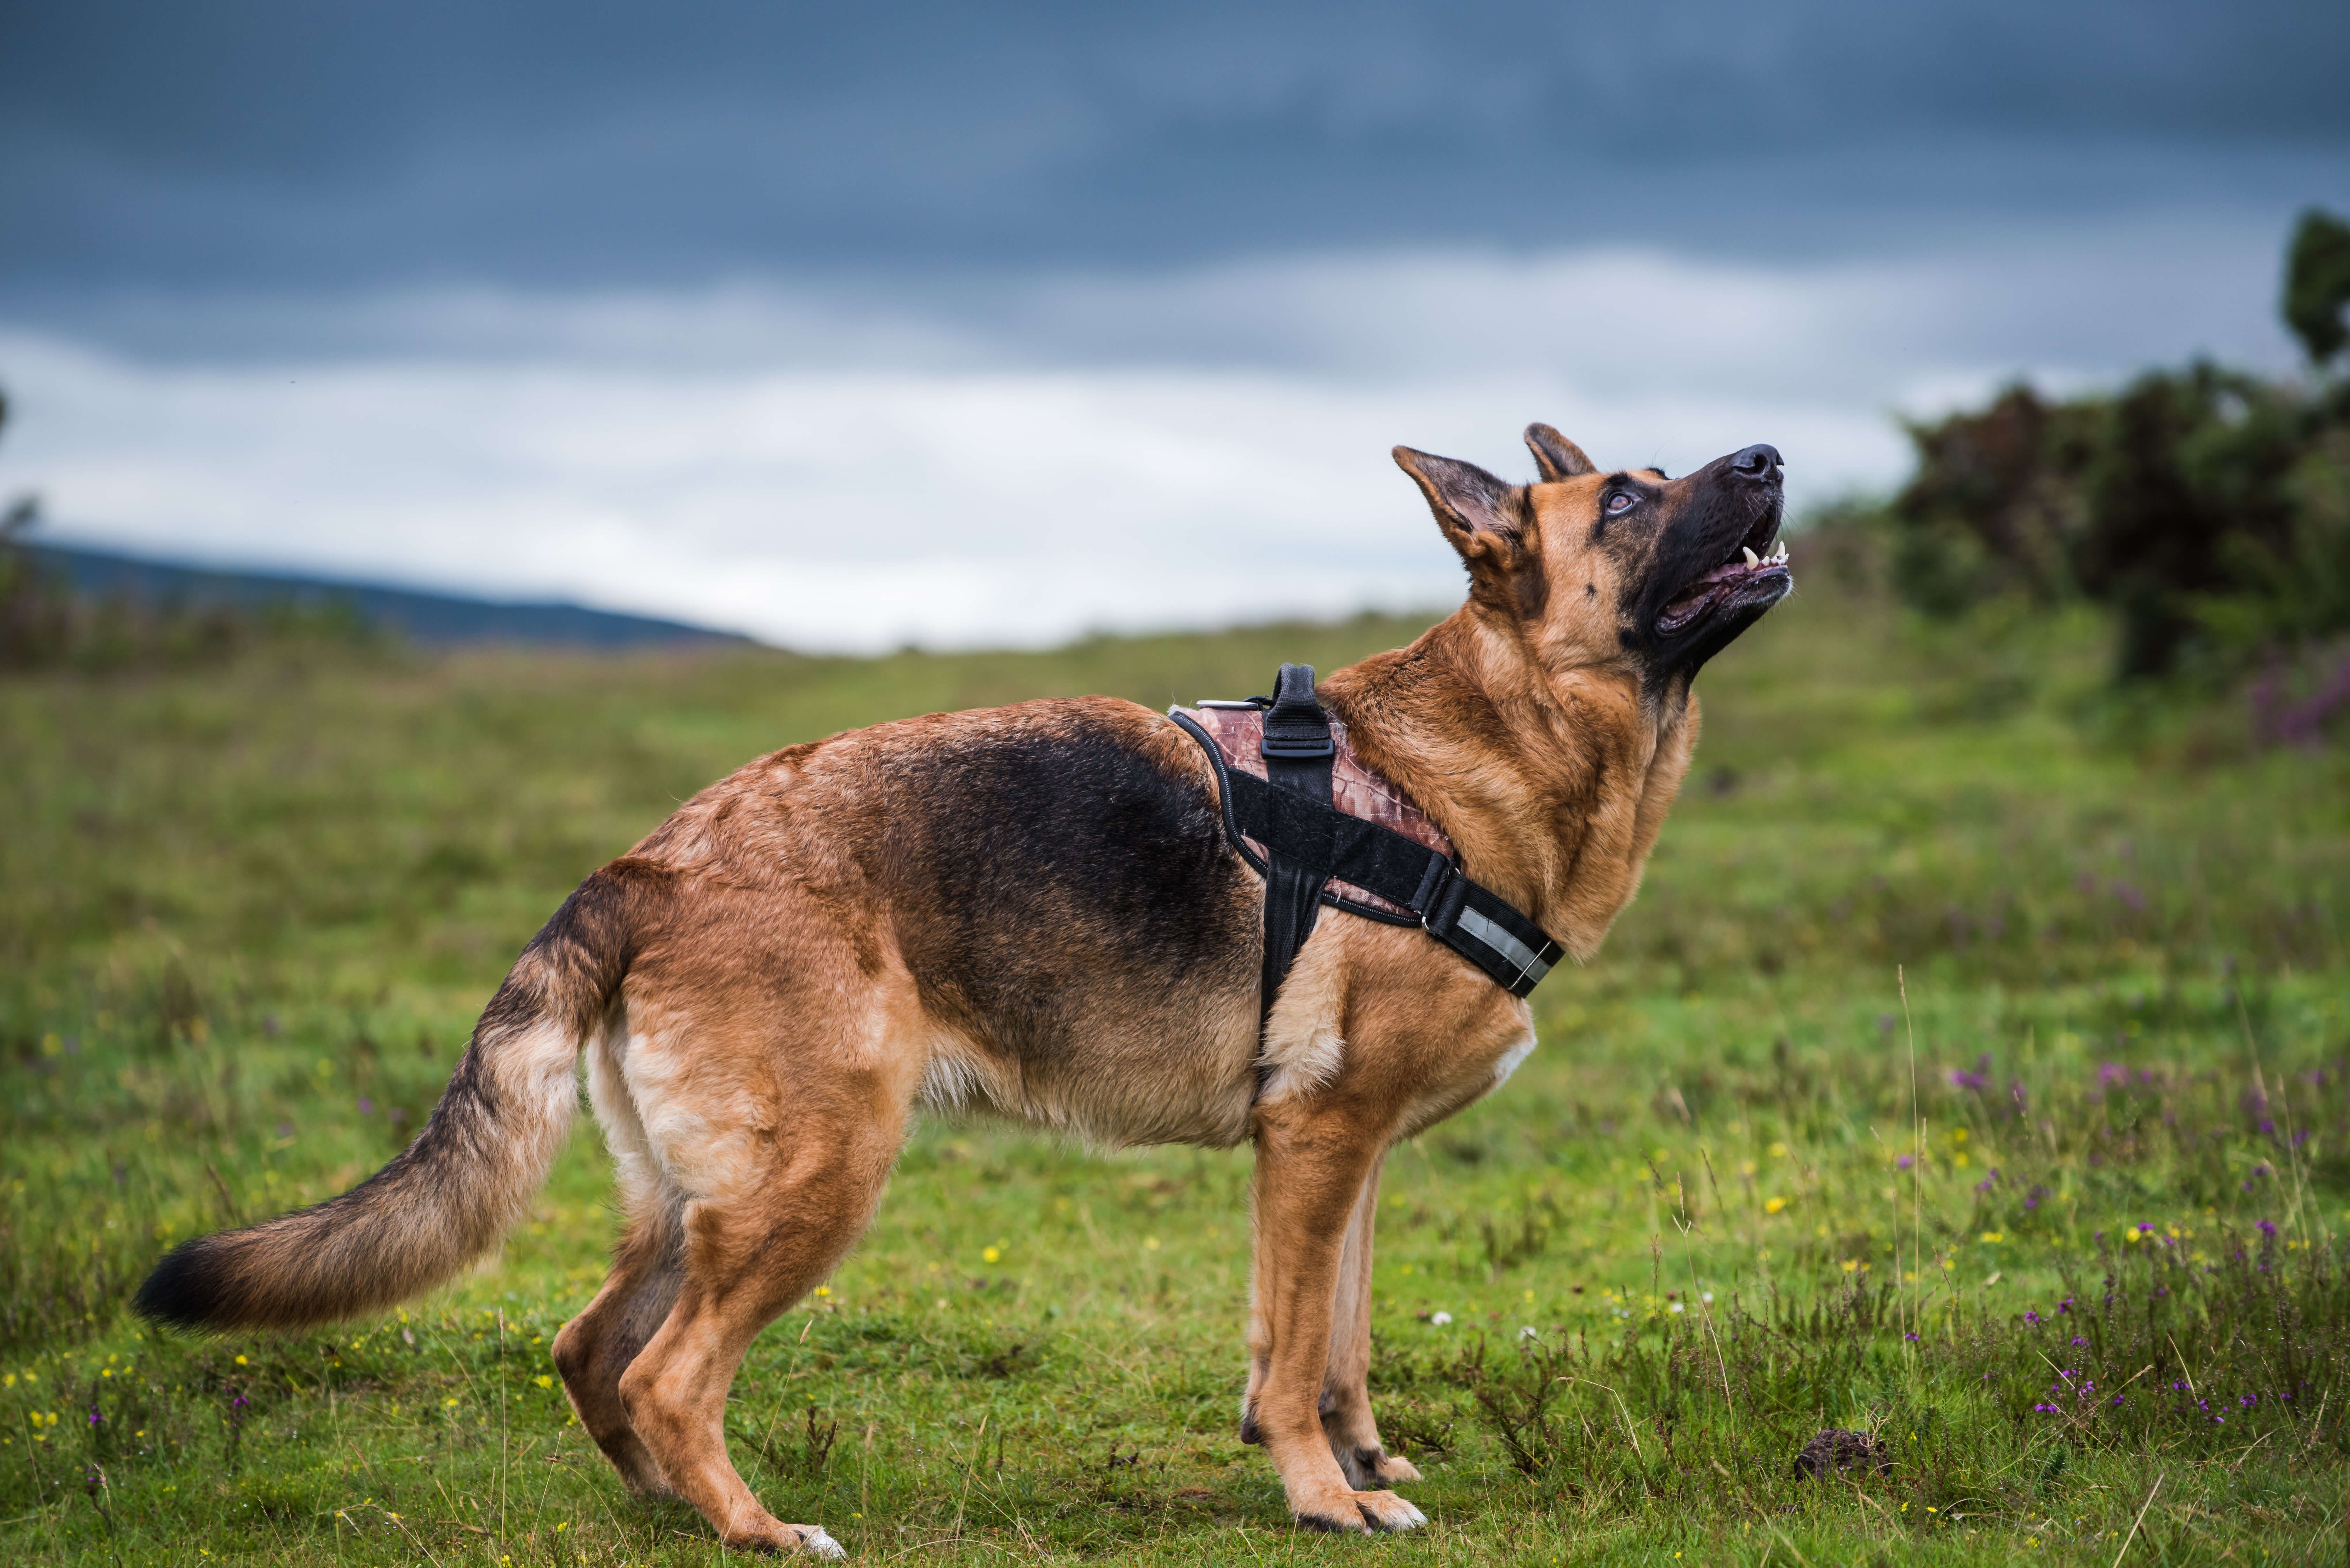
column 1308, row 841
column 1473, row 920
column 1298, row 756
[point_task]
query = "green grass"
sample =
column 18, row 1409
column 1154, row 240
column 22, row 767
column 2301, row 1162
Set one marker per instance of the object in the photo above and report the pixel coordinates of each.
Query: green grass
column 247, row 915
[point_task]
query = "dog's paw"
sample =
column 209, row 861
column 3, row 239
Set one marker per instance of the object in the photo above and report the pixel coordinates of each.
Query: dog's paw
column 777, row 1540
column 757, row 1530
column 1370, row 1469
column 1335, row 1523
column 1385, row 1511
column 1381, row 1511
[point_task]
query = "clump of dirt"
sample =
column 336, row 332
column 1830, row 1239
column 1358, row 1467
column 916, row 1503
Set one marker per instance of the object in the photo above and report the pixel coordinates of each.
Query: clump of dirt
column 1836, row 1451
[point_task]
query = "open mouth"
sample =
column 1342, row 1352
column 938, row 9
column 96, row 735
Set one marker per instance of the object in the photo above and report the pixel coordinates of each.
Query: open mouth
column 1749, row 577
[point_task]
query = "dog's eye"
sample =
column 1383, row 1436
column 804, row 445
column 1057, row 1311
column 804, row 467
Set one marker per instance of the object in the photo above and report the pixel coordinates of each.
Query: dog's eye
column 1621, row 502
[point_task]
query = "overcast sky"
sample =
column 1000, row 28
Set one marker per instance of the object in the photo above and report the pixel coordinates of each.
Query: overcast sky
column 847, row 325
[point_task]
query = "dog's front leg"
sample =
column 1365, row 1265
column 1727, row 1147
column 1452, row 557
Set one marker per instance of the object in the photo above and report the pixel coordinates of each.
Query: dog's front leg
column 1346, row 1418
column 1312, row 1167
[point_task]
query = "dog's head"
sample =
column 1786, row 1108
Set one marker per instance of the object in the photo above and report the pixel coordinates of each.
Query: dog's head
column 1592, row 569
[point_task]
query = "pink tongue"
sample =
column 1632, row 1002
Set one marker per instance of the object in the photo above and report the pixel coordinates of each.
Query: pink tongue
column 1719, row 574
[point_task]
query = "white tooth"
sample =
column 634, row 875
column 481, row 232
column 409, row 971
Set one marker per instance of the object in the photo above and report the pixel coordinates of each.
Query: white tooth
column 1752, row 558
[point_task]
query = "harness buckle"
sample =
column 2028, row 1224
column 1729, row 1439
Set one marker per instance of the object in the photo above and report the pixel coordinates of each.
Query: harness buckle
column 1441, row 893
column 1308, row 745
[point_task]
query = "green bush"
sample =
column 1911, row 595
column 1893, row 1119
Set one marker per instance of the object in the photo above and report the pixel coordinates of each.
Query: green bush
column 1996, row 506
column 2207, row 509
column 2317, row 284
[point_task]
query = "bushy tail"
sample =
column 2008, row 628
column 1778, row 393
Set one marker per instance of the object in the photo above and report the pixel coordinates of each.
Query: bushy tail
column 472, row 1173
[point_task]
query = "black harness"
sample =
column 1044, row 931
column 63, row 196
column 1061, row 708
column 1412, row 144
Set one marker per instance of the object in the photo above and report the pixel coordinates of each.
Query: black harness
column 1308, row 841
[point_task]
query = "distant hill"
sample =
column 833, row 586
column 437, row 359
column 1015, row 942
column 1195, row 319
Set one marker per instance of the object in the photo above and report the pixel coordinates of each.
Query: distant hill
column 418, row 616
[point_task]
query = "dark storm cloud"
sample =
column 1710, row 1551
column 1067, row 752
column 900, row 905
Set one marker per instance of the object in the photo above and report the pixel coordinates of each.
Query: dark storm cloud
column 167, row 145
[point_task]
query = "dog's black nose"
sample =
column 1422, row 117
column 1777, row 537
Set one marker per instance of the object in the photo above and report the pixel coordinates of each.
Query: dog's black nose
column 1757, row 461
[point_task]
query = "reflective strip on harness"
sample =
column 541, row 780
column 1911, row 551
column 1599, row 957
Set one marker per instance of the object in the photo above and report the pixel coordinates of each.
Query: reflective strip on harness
column 1471, row 920
column 1531, row 965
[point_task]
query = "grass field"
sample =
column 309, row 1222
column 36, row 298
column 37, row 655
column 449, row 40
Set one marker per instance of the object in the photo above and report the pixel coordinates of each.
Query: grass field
column 1971, row 1072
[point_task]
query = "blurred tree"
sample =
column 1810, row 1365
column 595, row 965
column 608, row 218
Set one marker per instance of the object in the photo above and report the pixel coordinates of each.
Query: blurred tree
column 1994, row 506
column 35, row 618
column 2209, row 508
column 2191, row 463
column 2317, row 283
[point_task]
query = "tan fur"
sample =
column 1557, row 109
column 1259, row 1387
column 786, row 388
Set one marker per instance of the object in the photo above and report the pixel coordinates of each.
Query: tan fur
column 784, row 999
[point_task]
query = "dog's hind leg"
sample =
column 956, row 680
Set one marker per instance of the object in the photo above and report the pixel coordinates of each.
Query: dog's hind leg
column 1346, row 1386
column 1314, row 1168
column 752, row 1249
column 596, row 1348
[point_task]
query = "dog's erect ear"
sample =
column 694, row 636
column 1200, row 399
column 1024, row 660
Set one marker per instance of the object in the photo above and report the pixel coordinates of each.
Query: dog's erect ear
column 1557, row 457
column 1482, row 516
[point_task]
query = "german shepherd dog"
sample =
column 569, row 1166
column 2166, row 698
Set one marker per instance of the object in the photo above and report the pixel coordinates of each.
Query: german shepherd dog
column 1033, row 910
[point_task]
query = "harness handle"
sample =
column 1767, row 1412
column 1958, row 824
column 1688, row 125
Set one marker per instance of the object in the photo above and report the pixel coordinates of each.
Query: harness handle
column 1298, row 758
column 1295, row 727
